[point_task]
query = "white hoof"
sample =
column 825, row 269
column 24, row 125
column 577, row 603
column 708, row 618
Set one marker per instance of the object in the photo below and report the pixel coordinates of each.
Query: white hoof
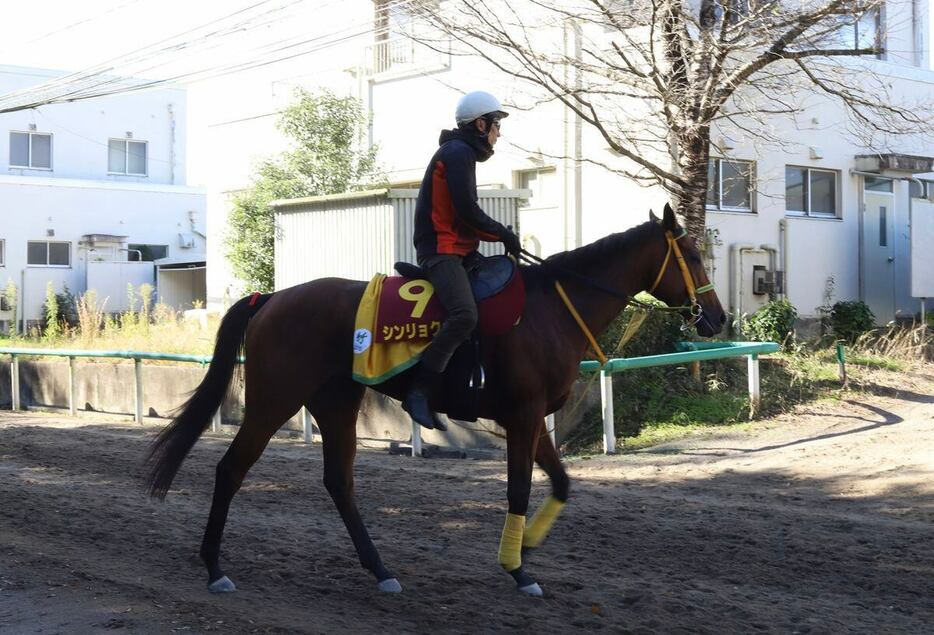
column 533, row 589
column 389, row 585
column 222, row 585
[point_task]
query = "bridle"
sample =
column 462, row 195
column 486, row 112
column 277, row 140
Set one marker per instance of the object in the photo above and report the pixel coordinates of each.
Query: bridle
column 696, row 310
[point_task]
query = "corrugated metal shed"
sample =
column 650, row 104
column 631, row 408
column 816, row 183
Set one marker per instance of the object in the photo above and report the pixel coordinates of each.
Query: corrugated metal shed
column 358, row 234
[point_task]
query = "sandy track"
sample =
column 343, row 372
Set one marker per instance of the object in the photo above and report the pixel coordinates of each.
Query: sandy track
column 821, row 521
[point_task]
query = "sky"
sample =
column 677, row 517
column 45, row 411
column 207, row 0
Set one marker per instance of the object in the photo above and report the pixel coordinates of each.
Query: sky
column 74, row 35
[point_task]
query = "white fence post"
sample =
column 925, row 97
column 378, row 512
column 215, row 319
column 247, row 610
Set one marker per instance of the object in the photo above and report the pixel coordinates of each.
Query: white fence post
column 550, row 426
column 606, row 398
column 416, row 439
column 72, row 409
column 14, row 378
column 138, row 373
column 752, row 373
column 307, row 430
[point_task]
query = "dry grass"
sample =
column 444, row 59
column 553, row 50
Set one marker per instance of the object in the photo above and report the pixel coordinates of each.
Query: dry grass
column 161, row 330
column 904, row 343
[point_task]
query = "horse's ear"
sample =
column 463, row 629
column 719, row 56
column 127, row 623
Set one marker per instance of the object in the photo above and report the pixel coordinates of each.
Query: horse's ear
column 669, row 221
column 653, row 217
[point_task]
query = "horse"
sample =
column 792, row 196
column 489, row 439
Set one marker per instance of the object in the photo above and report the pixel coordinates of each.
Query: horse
column 298, row 342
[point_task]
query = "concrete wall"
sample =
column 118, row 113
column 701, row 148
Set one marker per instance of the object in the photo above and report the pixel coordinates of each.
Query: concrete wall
column 108, row 387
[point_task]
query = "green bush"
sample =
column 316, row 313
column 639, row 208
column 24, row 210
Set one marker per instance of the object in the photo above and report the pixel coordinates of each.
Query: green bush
column 774, row 322
column 60, row 310
column 851, row 318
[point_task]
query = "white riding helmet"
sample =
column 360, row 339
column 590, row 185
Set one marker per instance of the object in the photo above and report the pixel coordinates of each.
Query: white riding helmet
column 476, row 104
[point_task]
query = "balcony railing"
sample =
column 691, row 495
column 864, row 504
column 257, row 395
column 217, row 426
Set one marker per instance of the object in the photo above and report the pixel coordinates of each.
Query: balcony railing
column 404, row 56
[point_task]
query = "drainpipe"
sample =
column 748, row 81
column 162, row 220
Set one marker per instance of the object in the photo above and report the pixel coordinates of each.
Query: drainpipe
column 22, row 301
column 911, row 225
column 572, row 136
column 736, row 289
column 916, row 31
column 783, row 247
column 171, row 145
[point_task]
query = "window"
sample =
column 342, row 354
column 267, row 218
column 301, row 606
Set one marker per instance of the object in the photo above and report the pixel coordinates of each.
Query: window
column 126, row 157
column 31, row 150
column 810, row 192
column 730, row 185
column 878, row 185
column 48, row 254
column 2, row 252
column 147, row 253
column 864, row 33
column 621, row 11
column 544, row 186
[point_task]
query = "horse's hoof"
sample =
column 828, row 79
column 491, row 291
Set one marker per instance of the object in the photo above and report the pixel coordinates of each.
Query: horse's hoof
column 526, row 583
column 533, row 589
column 389, row 585
column 222, row 585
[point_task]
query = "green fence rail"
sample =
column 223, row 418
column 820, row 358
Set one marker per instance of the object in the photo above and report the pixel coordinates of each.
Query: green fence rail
column 136, row 356
column 689, row 353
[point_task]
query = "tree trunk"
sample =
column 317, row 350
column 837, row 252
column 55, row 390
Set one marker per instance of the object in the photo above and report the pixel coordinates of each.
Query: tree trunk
column 693, row 199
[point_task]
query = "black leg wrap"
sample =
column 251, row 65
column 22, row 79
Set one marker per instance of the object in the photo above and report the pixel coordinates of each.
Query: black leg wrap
column 522, row 578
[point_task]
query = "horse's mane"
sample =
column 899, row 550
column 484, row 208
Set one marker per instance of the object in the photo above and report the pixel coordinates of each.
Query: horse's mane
column 594, row 254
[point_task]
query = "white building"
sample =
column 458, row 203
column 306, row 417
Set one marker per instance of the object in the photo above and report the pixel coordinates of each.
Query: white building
column 829, row 214
column 92, row 192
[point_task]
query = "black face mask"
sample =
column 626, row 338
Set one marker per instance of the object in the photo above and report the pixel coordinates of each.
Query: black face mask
column 477, row 140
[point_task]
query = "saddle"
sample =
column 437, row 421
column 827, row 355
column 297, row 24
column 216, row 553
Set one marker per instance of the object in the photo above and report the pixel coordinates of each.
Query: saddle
column 400, row 314
column 488, row 275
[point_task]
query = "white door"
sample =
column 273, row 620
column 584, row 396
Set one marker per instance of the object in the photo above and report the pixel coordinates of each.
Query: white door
column 878, row 254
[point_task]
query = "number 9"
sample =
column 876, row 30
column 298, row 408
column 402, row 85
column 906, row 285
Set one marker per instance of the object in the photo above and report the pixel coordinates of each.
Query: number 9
column 420, row 297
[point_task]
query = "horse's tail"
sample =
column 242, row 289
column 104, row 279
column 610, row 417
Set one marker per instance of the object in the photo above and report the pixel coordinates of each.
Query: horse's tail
column 172, row 445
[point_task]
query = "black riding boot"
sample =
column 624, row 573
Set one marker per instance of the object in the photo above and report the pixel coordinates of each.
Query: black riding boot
column 416, row 401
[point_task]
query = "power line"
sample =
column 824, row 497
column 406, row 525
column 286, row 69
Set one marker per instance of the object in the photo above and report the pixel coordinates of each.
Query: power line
column 80, row 85
column 133, row 56
column 68, row 27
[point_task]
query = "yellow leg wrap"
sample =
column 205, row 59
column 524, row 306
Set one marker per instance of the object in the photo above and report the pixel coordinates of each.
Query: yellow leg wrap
column 510, row 544
column 541, row 522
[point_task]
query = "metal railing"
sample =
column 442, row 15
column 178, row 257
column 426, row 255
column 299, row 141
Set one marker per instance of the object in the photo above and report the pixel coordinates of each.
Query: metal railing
column 691, row 352
column 137, row 357
column 404, row 55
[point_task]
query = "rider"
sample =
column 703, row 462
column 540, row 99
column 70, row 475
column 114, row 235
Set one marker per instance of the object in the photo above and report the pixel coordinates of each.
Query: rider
column 449, row 226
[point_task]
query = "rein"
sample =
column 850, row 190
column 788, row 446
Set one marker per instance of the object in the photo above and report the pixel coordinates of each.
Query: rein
column 693, row 290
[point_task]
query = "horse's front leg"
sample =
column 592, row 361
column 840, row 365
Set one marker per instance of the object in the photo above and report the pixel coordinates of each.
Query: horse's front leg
column 521, row 443
column 540, row 524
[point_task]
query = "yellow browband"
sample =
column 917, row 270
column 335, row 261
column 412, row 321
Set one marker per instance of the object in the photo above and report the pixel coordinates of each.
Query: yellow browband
column 693, row 290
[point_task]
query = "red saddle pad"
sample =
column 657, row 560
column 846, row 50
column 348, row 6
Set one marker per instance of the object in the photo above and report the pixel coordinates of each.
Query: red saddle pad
column 409, row 310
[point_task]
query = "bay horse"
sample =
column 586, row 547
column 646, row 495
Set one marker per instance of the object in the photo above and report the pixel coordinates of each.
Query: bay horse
column 298, row 348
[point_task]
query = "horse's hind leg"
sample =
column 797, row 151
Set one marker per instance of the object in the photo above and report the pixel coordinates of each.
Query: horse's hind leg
column 540, row 524
column 335, row 408
column 247, row 446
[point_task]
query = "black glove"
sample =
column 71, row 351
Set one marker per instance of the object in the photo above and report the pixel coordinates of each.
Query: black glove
column 511, row 243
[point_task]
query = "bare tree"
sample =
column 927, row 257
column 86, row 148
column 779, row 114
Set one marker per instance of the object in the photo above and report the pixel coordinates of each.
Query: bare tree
column 664, row 73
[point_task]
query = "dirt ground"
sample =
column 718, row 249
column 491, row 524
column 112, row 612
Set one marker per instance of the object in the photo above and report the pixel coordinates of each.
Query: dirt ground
column 815, row 522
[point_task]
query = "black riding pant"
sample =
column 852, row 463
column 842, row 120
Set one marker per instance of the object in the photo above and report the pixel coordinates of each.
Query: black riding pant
column 449, row 278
